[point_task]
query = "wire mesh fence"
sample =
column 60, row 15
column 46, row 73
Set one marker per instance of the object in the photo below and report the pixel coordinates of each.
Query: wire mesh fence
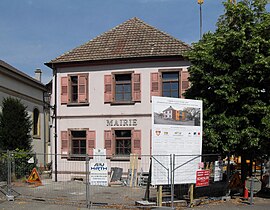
column 107, row 180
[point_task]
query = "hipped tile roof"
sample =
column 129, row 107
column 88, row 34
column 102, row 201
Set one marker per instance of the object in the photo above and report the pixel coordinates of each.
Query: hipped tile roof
column 131, row 39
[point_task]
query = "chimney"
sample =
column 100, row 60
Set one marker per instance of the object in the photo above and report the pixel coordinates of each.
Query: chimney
column 38, row 73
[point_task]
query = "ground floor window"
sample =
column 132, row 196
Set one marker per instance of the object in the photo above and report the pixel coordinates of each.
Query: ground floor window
column 122, row 142
column 78, row 142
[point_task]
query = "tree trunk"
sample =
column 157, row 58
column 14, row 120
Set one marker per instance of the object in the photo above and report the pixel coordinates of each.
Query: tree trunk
column 244, row 170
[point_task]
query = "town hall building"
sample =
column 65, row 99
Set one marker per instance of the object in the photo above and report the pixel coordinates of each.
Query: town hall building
column 102, row 93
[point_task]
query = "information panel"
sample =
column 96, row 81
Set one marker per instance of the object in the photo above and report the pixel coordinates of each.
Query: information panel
column 176, row 129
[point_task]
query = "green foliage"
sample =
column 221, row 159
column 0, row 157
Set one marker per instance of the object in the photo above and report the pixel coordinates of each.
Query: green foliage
column 230, row 72
column 3, row 167
column 22, row 167
column 15, row 126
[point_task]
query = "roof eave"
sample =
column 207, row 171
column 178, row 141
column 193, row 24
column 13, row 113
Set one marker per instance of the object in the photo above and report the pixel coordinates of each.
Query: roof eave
column 53, row 64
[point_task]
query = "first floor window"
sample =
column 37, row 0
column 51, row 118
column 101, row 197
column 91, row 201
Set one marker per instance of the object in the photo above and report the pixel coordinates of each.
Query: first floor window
column 170, row 84
column 74, row 89
column 123, row 87
column 78, row 142
column 122, row 142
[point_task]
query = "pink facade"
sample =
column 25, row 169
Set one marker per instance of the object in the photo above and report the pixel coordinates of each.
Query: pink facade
column 106, row 102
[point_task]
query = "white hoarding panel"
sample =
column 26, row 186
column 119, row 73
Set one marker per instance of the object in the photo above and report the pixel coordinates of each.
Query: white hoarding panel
column 99, row 168
column 176, row 129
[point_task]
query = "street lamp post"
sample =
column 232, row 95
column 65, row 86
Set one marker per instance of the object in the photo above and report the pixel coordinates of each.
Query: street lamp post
column 200, row 2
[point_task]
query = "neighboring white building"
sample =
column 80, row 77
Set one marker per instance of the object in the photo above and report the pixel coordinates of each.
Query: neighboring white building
column 14, row 83
column 104, row 89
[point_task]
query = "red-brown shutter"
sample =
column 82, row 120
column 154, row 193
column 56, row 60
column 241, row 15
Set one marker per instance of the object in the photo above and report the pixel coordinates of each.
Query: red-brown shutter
column 108, row 142
column 136, row 87
column 107, row 88
column 64, row 90
column 184, row 82
column 155, row 84
column 91, row 142
column 83, row 88
column 136, row 142
column 64, row 143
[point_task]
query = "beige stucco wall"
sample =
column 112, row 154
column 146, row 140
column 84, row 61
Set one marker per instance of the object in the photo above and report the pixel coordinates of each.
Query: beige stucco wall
column 31, row 96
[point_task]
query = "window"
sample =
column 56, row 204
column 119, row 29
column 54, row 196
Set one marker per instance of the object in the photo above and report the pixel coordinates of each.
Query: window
column 78, row 142
column 122, row 142
column 74, row 89
column 122, row 88
column 169, row 83
column 36, row 120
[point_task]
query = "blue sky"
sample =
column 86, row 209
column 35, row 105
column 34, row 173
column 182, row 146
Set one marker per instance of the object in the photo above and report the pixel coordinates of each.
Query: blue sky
column 33, row 32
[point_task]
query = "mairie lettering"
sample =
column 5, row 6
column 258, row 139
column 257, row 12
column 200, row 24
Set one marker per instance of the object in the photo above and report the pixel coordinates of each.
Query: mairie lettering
column 122, row 122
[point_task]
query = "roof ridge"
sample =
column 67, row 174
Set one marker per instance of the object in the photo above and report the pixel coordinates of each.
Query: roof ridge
column 163, row 32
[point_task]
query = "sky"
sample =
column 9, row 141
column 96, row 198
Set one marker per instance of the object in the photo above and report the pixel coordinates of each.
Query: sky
column 33, row 32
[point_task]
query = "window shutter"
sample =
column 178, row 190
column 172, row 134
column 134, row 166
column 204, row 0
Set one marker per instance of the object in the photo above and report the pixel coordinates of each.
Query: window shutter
column 91, row 142
column 184, row 82
column 136, row 142
column 155, row 84
column 136, row 87
column 107, row 88
column 64, row 90
column 108, row 142
column 64, row 143
column 83, row 88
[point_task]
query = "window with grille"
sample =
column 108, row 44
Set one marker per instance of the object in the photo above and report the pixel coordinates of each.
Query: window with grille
column 122, row 142
column 78, row 142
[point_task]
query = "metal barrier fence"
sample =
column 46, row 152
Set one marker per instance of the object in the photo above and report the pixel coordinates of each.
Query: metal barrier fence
column 99, row 180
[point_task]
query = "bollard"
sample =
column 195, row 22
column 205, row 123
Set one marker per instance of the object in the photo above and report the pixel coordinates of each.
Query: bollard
column 251, row 190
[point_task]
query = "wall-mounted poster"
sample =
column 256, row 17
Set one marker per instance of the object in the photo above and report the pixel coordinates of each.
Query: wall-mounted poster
column 176, row 129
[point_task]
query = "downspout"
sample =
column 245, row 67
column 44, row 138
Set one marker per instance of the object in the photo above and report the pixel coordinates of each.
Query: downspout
column 55, row 120
column 45, row 128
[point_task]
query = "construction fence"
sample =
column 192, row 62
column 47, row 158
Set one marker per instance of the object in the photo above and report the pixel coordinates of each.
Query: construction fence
column 122, row 182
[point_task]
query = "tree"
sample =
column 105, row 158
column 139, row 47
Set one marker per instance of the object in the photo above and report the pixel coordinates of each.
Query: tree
column 230, row 72
column 15, row 126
